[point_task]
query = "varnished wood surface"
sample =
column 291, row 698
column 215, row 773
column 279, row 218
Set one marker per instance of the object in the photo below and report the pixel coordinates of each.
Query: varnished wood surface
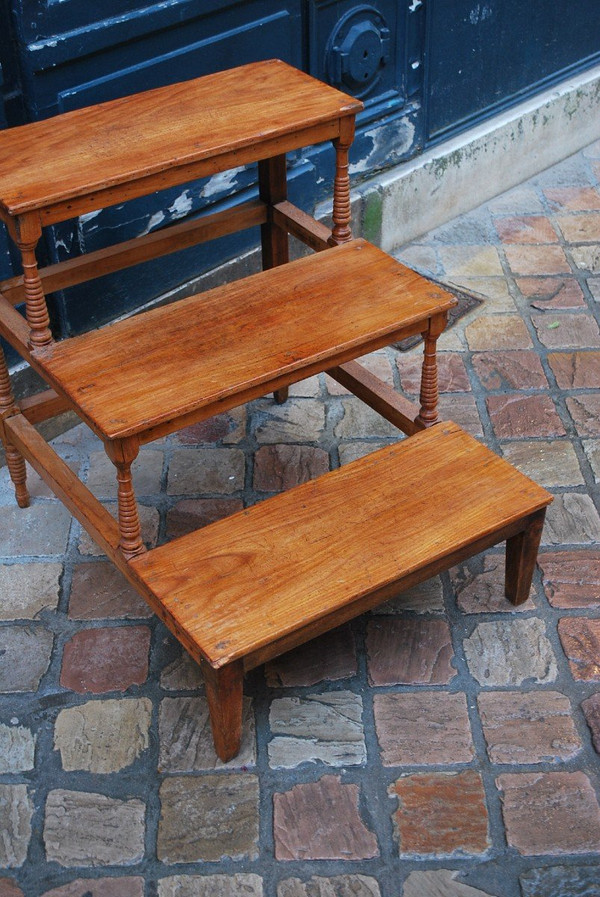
column 250, row 580
column 242, row 339
column 89, row 150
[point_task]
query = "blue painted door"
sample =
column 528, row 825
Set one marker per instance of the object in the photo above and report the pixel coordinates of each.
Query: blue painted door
column 424, row 68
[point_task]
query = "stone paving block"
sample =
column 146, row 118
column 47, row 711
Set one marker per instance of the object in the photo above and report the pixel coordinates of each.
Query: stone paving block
column 567, row 331
column 575, row 370
column 99, row 591
column 227, row 428
column 514, row 415
column 571, row 519
column 87, row 829
column 594, row 287
column 17, row 749
column 591, row 708
column 494, row 291
column 28, row 589
column 585, row 411
column 359, row 421
column 552, row 293
column 430, row 818
column 308, row 388
column 423, row 728
column 591, row 448
column 329, row 657
column 550, row 813
column 409, row 651
column 186, row 742
column 452, row 373
column 426, row 598
column 337, row 886
column 571, row 578
column 149, row 520
column 479, row 586
column 575, row 199
column 42, row 529
column 326, row 727
column 549, row 463
column 182, row 674
column 280, row 467
column 307, row 823
column 190, row 514
column 106, row 659
column 439, row 883
column 535, row 727
column 238, row 885
column 462, row 409
column 580, row 639
column 491, row 332
column 521, row 199
column 518, row 369
column 510, row 652
column 587, row 258
column 470, row 261
column 352, row 451
column 9, row 888
column 24, row 657
column 128, row 886
column 566, row 881
column 299, row 420
column 103, row 736
column 16, row 813
column 146, row 470
column 207, row 818
column 216, row 470
column 526, row 229
column 582, row 228
column 542, row 260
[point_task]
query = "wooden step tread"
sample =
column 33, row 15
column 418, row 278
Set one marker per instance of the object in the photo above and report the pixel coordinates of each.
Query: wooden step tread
column 277, row 568
column 79, row 153
column 239, row 341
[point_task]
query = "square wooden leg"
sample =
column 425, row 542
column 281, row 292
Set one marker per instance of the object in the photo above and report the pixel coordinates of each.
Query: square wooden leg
column 521, row 556
column 224, row 692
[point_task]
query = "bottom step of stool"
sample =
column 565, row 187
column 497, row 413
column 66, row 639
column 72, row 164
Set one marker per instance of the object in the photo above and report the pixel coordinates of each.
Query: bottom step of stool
column 268, row 578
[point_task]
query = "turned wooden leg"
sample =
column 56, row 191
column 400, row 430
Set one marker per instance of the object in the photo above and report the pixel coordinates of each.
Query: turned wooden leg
column 122, row 453
column 341, row 231
column 521, row 556
column 27, row 233
column 14, row 459
column 224, row 692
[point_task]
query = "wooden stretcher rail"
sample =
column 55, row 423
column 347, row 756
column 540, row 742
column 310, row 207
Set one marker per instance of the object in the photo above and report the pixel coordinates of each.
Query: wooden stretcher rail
column 140, row 249
column 14, row 328
column 378, row 395
column 82, row 504
column 301, row 226
column 43, row 406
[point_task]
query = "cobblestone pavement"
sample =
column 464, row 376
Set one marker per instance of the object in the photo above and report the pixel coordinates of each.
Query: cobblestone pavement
column 445, row 745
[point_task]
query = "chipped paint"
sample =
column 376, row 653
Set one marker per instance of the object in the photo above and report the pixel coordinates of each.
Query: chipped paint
column 480, row 13
column 89, row 215
column 220, row 182
column 154, row 221
column 415, row 5
column 399, row 135
column 182, row 205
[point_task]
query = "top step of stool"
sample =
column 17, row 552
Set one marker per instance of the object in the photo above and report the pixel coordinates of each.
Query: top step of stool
column 293, row 566
column 219, row 349
column 213, row 123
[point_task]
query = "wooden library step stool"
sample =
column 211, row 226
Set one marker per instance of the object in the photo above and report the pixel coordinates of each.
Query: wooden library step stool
column 268, row 578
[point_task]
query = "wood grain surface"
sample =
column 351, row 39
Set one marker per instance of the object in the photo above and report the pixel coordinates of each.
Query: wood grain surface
column 274, row 568
column 241, row 339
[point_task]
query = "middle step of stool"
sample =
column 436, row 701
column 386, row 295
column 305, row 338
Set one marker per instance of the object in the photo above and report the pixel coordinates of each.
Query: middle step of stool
column 216, row 350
